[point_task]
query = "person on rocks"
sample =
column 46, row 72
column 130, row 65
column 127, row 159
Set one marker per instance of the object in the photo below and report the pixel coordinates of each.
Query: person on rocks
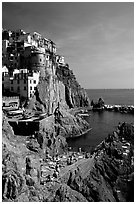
column 57, row 115
column 28, row 166
column 80, row 150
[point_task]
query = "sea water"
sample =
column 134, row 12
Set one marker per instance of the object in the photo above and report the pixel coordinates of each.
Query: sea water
column 105, row 122
column 112, row 96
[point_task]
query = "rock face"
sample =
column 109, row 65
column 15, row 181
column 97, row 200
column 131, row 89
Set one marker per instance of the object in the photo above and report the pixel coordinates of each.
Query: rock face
column 75, row 95
column 106, row 176
column 59, row 85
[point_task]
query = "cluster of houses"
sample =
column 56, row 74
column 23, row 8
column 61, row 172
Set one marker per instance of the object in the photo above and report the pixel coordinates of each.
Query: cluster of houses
column 26, row 57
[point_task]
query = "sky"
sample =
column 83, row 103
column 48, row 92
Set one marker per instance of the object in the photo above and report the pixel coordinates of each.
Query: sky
column 96, row 38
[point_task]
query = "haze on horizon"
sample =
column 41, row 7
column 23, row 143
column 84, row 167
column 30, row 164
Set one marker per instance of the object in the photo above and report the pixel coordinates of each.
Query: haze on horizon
column 96, row 38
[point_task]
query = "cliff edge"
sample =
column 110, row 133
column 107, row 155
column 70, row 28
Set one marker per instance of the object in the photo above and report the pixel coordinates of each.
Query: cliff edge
column 59, row 85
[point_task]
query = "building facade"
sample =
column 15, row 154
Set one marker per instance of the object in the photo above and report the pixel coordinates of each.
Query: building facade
column 26, row 56
column 22, row 83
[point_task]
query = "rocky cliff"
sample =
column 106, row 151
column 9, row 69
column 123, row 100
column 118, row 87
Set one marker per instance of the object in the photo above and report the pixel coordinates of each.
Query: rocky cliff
column 58, row 85
column 75, row 95
column 106, row 176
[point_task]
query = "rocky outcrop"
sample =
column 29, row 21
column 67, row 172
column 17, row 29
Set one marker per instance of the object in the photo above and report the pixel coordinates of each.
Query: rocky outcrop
column 107, row 176
column 75, row 96
column 55, row 134
column 49, row 92
column 59, row 85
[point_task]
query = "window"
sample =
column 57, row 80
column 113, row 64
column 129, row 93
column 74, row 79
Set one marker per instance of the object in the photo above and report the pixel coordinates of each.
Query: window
column 18, row 88
column 30, row 81
column 12, row 89
column 24, row 88
column 34, row 81
column 35, row 88
column 40, row 59
column 18, row 81
column 24, row 81
column 11, row 81
column 30, row 95
column 30, row 87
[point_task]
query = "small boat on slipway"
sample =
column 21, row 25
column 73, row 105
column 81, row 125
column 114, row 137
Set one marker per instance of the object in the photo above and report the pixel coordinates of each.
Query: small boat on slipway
column 83, row 114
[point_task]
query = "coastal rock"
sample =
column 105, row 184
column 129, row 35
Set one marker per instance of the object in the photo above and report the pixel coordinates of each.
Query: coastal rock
column 107, row 176
column 60, row 86
column 75, row 96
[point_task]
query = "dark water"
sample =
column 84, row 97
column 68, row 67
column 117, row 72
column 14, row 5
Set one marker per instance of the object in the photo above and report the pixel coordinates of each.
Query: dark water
column 105, row 122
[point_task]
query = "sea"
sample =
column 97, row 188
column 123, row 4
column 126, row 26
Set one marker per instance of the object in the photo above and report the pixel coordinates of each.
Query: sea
column 105, row 122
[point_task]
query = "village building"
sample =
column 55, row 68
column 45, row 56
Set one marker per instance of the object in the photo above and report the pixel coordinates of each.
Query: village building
column 22, row 82
column 26, row 57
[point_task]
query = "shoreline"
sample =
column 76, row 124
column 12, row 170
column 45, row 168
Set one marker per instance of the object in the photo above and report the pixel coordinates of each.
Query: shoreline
column 116, row 108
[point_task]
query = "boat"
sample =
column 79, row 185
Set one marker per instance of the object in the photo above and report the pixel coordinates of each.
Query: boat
column 83, row 114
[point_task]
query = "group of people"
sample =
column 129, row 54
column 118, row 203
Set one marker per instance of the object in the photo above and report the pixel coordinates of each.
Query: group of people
column 40, row 174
